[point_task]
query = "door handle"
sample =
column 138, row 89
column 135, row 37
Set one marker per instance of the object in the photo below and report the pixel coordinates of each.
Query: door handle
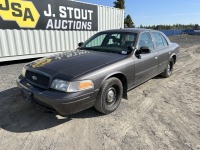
column 156, row 57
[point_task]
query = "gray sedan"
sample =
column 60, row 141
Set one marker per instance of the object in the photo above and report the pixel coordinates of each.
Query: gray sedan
column 100, row 72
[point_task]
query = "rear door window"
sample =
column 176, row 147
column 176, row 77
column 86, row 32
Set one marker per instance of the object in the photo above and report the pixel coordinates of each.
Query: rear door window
column 160, row 41
column 164, row 40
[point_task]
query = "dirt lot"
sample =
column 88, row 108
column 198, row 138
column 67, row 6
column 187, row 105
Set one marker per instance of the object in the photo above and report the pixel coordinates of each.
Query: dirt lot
column 160, row 114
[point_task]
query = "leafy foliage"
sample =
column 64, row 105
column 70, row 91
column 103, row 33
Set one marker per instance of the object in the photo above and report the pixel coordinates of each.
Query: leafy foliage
column 175, row 26
column 119, row 4
column 128, row 22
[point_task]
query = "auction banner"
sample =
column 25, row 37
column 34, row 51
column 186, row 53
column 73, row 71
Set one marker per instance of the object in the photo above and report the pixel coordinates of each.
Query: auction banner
column 48, row 15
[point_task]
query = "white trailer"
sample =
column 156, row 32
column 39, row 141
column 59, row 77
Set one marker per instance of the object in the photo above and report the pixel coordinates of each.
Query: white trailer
column 31, row 29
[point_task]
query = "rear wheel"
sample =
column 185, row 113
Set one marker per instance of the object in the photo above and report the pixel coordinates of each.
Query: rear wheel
column 110, row 95
column 168, row 71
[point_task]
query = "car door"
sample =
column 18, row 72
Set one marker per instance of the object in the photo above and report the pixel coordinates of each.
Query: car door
column 146, row 65
column 162, row 46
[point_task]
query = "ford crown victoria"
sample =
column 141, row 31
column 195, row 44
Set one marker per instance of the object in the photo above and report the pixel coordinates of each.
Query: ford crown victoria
column 99, row 72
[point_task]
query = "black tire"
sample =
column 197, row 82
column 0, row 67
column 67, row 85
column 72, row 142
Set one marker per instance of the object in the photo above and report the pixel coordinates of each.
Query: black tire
column 106, row 102
column 169, row 70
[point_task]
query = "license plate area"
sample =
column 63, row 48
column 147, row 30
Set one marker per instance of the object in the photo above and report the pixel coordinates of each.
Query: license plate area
column 27, row 95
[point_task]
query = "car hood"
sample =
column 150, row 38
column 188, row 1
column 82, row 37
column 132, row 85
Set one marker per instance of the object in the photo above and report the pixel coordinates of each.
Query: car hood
column 74, row 63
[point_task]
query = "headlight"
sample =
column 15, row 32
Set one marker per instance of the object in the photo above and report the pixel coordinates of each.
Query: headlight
column 72, row 86
column 60, row 85
column 24, row 72
column 80, row 86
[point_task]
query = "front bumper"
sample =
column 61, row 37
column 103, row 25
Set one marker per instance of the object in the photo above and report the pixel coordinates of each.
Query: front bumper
column 63, row 103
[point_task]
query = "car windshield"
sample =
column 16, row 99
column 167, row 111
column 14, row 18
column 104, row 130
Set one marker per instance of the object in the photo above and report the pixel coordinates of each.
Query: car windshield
column 110, row 42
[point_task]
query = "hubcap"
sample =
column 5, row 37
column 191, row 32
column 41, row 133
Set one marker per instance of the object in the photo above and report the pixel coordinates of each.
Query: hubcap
column 169, row 68
column 111, row 96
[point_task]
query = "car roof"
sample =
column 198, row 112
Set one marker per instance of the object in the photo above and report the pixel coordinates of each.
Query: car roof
column 134, row 30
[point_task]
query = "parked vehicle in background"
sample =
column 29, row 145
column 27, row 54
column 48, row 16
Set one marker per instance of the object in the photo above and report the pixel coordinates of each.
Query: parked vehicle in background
column 100, row 72
column 193, row 32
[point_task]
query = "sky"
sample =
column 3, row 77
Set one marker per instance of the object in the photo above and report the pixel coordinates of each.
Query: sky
column 157, row 12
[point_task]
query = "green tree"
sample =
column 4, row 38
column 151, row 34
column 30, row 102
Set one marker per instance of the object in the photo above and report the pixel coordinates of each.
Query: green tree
column 141, row 26
column 128, row 22
column 196, row 27
column 119, row 4
column 173, row 27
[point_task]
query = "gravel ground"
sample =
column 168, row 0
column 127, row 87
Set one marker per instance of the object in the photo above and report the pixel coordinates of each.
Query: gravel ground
column 160, row 114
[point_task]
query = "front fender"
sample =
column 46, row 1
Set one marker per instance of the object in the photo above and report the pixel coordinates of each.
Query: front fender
column 122, row 78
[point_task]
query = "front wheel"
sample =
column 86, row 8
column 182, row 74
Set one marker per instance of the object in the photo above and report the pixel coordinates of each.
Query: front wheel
column 110, row 95
column 168, row 71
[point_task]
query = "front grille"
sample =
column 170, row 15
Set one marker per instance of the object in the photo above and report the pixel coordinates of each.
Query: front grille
column 37, row 79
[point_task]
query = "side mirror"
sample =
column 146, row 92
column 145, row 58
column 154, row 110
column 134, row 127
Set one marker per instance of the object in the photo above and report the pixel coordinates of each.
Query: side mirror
column 145, row 50
column 80, row 44
column 131, row 49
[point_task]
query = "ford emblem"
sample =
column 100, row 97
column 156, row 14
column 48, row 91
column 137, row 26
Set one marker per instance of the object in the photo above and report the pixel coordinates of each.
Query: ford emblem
column 34, row 77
